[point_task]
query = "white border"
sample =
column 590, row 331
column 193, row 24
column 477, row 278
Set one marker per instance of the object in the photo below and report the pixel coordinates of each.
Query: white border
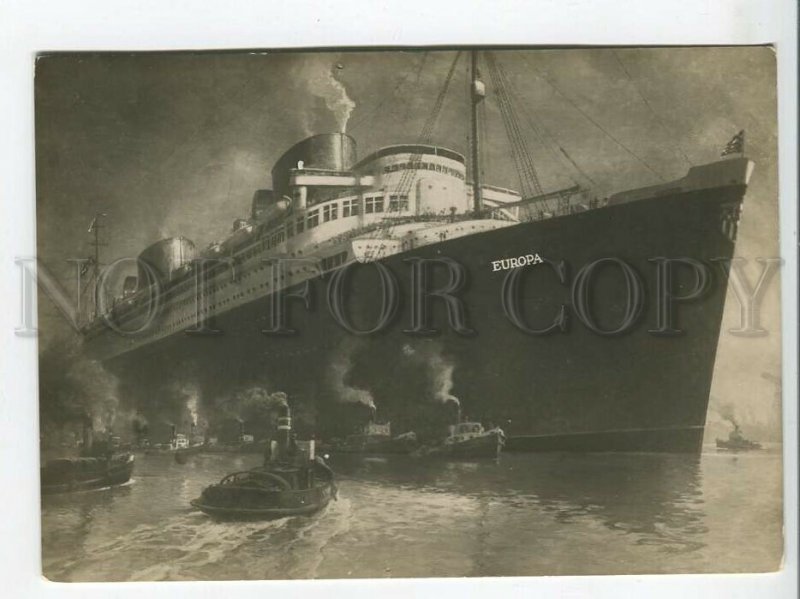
column 29, row 27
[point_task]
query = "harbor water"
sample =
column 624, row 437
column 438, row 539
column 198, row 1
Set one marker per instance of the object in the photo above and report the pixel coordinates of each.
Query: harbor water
column 396, row 516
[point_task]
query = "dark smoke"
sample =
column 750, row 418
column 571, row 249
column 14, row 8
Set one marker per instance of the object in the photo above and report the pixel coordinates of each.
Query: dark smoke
column 73, row 389
column 251, row 404
column 727, row 412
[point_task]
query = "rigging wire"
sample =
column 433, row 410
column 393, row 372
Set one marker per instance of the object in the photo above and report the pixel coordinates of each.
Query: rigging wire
column 650, row 107
column 529, row 179
column 410, row 173
column 589, row 118
column 426, row 134
column 547, row 139
column 401, row 80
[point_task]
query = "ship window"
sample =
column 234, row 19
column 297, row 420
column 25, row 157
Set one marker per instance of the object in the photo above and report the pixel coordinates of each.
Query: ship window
column 313, row 219
column 330, row 212
column 438, row 168
column 398, row 203
column 349, row 208
column 373, row 204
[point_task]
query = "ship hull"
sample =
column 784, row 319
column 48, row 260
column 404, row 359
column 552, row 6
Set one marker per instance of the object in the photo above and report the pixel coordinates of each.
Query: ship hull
column 575, row 389
column 488, row 445
column 111, row 473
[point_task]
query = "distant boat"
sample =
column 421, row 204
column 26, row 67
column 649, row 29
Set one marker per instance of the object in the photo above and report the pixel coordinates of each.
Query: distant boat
column 293, row 482
column 81, row 474
column 376, row 438
column 98, row 466
column 469, row 440
column 736, row 441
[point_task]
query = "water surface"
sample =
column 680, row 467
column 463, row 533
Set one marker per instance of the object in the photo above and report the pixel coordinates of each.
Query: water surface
column 523, row 515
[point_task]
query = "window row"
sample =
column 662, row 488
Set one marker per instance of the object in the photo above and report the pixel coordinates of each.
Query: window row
column 423, row 166
column 327, row 212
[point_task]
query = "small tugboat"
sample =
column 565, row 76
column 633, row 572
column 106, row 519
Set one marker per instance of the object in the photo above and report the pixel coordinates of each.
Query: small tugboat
column 467, row 440
column 99, row 465
column 293, row 482
column 737, row 442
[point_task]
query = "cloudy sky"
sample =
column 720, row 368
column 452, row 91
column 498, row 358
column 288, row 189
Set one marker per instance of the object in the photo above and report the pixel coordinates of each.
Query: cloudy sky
column 175, row 144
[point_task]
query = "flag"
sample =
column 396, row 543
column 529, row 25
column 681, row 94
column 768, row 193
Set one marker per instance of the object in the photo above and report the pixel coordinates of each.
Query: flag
column 87, row 265
column 735, row 145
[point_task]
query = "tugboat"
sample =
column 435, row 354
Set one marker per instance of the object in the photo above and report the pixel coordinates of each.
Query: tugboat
column 467, row 440
column 737, row 442
column 292, row 482
column 99, row 465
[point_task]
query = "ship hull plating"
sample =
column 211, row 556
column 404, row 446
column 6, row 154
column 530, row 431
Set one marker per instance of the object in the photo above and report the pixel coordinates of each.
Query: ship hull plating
column 569, row 390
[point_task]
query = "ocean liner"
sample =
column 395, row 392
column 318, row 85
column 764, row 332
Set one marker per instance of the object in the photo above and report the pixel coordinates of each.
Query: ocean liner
column 406, row 281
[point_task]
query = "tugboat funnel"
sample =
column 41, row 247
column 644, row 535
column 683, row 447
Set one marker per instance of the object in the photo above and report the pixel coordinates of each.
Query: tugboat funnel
column 284, row 429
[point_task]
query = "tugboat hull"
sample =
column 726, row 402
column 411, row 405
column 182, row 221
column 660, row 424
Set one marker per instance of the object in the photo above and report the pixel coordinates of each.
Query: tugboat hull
column 68, row 476
column 488, row 445
column 265, row 506
column 737, row 445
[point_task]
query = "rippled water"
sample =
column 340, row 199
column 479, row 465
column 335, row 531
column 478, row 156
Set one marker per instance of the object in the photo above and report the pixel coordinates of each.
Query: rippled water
column 526, row 514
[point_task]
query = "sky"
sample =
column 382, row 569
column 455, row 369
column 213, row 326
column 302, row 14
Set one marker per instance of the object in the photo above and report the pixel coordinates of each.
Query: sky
column 176, row 143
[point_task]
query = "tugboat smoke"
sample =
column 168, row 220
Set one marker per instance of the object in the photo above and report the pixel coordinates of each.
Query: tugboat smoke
column 252, row 403
column 337, row 373
column 439, row 367
column 74, row 388
column 727, row 412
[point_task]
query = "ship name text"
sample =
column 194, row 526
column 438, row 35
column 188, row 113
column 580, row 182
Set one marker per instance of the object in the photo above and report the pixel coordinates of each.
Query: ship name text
column 509, row 263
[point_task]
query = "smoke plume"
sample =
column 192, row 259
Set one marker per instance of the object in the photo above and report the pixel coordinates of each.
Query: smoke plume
column 317, row 73
column 192, row 402
column 73, row 389
column 440, row 369
column 727, row 412
column 338, row 371
column 251, row 404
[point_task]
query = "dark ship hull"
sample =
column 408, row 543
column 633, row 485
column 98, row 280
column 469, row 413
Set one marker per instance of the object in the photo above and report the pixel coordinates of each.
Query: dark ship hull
column 84, row 474
column 576, row 390
column 488, row 445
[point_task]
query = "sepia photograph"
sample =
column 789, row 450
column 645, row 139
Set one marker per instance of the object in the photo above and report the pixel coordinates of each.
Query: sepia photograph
column 431, row 312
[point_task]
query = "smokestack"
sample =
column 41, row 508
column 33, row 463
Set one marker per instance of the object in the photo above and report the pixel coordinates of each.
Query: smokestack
column 284, row 429
column 88, row 435
column 173, row 432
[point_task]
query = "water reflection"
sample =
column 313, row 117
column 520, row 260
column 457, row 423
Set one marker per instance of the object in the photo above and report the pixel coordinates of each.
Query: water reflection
column 656, row 496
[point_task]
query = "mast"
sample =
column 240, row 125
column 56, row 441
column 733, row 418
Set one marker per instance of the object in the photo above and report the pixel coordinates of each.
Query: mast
column 94, row 227
column 477, row 93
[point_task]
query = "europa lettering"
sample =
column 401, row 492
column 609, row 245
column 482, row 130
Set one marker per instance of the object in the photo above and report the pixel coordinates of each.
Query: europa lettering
column 508, row 263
